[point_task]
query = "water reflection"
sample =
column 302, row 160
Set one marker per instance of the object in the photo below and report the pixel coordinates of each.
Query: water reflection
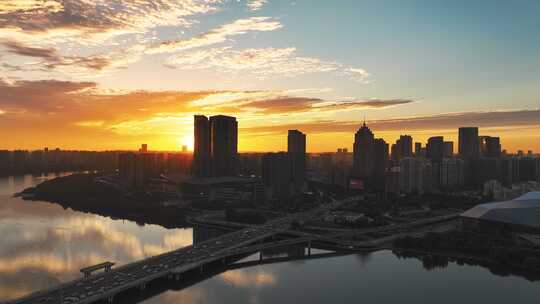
column 379, row 277
column 43, row 244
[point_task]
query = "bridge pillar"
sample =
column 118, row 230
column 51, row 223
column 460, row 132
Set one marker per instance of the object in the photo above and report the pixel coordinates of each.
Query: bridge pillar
column 309, row 249
column 177, row 277
column 260, row 256
column 110, row 299
column 142, row 286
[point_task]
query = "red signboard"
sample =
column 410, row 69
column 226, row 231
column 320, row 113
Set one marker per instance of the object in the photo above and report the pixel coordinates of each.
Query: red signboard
column 356, row 184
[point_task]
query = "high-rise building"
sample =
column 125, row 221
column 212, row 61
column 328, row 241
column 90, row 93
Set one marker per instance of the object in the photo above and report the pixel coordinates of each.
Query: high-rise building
column 276, row 174
column 201, row 146
column 452, row 173
column 490, row 146
column 370, row 158
column 469, row 152
column 296, row 147
column 417, row 149
column 404, row 144
column 415, row 175
column 144, row 148
column 363, row 140
column 379, row 158
column 402, row 148
column 224, row 145
column 468, row 143
column 448, row 149
column 435, row 149
column 216, row 146
column 184, row 148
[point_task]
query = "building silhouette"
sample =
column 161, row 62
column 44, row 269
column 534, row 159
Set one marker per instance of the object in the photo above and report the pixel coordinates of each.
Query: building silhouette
column 216, row 146
column 468, row 143
column 402, row 148
column 490, row 146
column 296, row 148
column 370, row 158
column 224, row 145
column 201, row 146
column 276, row 174
column 144, row 148
column 469, row 152
column 435, row 149
column 448, row 149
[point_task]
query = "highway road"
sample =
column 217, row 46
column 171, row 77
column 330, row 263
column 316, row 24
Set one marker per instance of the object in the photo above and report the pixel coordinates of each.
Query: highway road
column 136, row 275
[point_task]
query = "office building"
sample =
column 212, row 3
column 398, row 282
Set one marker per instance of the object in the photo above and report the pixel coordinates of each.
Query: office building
column 296, row 148
column 468, row 143
column 370, row 159
column 448, row 149
column 469, row 152
column 276, row 174
column 452, row 172
column 435, row 149
column 402, row 148
column 201, row 146
column 224, row 145
column 490, row 146
column 216, row 146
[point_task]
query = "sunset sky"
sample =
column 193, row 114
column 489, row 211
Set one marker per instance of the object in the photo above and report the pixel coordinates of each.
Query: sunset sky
column 112, row 74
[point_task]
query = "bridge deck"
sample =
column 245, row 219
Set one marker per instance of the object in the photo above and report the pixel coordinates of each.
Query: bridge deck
column 137, row 274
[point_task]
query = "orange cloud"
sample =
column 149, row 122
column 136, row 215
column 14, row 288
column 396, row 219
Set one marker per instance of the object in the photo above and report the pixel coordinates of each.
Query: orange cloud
column 80, row 115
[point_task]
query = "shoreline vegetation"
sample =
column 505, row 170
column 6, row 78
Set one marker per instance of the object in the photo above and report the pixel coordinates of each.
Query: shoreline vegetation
column 502, row 255
column 80, row 192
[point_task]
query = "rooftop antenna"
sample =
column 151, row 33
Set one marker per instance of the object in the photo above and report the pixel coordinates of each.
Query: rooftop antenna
column 364, row 120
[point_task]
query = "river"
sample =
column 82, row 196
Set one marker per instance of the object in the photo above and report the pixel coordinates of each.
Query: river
column 43, row 244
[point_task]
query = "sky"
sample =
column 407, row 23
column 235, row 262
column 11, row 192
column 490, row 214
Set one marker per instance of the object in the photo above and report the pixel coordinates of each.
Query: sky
column 112, row 74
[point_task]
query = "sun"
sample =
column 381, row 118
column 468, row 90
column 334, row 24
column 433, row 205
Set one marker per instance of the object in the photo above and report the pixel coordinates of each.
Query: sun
column 188, row 140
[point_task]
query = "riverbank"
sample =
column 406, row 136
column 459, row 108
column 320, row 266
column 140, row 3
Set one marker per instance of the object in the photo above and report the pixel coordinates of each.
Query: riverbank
column 81, row 192
column 502, row 255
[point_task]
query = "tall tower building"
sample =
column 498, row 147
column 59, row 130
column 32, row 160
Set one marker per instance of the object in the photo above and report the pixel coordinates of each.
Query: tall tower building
column 363, row 139
column 201, row 146
column 224, row 145
column 435, row 149
column 370, row 158
column 276, row 174
column 296, row 148
column 468, row 143
column 490, row 146
column 448, row 149
column 469, row 152
column 402, row 148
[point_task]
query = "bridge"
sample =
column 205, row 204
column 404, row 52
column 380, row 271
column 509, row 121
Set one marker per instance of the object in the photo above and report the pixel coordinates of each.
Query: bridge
column 105, row 285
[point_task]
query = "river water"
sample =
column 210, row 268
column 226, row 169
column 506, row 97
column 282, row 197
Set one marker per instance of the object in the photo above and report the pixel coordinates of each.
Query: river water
column 42, row 244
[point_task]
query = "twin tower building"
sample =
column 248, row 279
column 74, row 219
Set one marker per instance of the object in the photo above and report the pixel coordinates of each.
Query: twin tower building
column 216, row 155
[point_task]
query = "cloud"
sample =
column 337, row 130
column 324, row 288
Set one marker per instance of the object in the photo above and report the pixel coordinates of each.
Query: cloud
column 269, row 102
column 219, row 35
column 255, row 5
column 369, row 103
column 496, row 119
column 358, row 74
column 52, row 112
column 261, row 63
column 52, row 60
column 84, row 17
column 18, row 48
column 241, row 278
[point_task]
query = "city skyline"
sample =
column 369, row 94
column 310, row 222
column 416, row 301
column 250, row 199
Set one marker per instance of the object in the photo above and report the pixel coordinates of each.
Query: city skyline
column 93, row 76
